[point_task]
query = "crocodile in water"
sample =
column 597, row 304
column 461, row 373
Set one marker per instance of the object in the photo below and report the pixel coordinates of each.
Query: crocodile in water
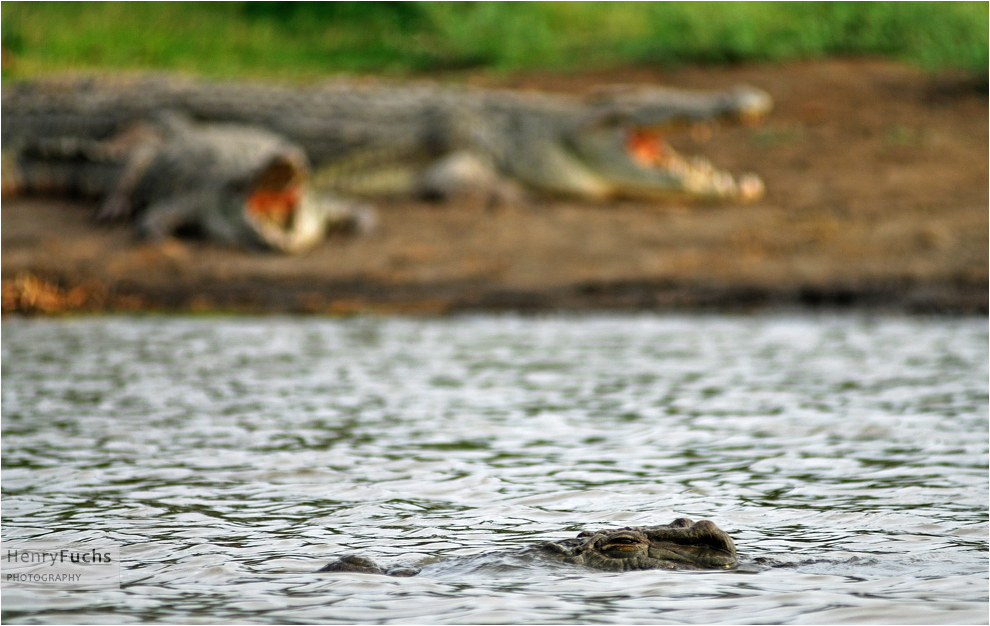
column 682, row 544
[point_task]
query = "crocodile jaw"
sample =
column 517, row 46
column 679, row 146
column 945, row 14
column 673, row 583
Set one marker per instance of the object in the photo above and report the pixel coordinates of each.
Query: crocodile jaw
column 622, row 142
column 279, row 210
column 635, row 163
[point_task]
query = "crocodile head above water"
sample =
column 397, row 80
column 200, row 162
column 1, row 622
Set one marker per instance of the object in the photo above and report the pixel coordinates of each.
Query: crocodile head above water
column 682, row 544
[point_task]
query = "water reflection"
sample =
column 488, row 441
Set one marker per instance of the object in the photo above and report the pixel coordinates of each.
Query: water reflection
column 847, row 456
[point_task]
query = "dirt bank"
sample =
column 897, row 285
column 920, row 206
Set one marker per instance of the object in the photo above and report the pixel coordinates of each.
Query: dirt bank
column 877, row 179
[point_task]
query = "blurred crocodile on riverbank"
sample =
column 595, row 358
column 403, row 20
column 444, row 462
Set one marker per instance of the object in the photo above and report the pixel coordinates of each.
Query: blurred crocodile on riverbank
column 876, row 199
column 234, row 184
column 372, row 138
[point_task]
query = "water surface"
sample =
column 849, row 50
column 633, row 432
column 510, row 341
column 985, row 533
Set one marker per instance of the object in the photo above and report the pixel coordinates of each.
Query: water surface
column 847, row 456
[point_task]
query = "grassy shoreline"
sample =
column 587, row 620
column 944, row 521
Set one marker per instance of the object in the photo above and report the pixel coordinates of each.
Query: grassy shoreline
column 308, row 39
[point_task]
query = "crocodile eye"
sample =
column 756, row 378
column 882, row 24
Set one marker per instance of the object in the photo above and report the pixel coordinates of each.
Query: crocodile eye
column 623, row 540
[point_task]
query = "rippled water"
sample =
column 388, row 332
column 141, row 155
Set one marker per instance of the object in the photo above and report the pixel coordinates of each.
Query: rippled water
column 847, row 457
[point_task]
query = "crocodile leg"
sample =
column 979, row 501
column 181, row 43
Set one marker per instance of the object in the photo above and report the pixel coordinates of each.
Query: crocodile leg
column 118, row 204
column 163, row 218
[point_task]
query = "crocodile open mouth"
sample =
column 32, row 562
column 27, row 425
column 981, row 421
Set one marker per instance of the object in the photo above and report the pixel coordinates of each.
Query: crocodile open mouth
column 647, row 148
column 275, row 195
column 277, row 207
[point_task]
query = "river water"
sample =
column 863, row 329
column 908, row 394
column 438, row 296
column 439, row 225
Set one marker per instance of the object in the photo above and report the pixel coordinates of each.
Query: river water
column 231, row 457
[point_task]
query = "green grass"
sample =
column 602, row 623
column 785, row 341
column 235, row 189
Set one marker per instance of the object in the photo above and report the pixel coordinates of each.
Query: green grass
column 309, row 39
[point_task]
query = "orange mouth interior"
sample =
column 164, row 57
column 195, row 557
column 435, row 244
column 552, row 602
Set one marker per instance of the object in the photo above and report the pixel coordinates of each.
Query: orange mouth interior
column 276, row 195
column 274, row 206
column 647, row 147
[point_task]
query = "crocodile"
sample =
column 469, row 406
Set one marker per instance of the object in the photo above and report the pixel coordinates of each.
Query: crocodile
column 235, row 184
column 370, row 137
column 682, row 544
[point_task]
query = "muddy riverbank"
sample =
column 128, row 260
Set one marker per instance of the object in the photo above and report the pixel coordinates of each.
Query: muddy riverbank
column 877, row 179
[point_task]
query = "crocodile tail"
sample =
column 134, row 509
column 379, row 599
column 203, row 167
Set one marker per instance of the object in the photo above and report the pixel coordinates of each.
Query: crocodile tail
column 62, row 166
